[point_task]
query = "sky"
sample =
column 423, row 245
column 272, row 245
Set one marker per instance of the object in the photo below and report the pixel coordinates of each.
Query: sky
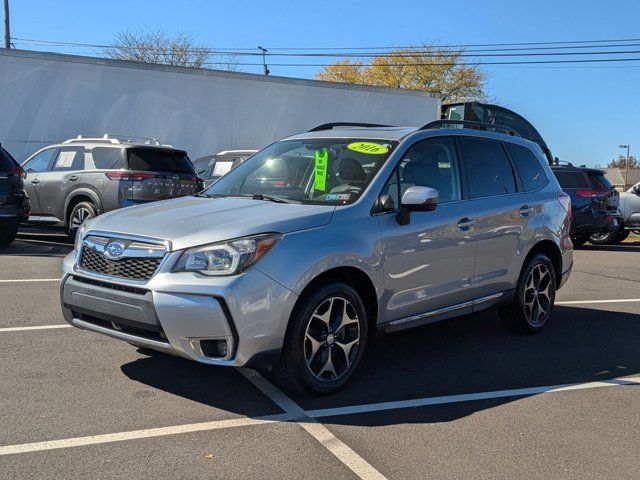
column 582, row 111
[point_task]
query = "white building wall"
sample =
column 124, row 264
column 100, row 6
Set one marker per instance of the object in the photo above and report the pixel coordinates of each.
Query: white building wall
column 46, row 98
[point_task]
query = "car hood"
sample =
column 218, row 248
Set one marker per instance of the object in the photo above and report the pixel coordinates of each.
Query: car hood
column 193, row 221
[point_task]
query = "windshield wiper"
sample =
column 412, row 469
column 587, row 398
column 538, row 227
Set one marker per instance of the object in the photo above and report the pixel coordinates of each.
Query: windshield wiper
column 271, row 198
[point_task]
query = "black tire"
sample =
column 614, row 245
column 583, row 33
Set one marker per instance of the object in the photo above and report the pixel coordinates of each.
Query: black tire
column 611, row 237
column 8, row 232
column 520, row 314
column 293, row 372
column 86, row 210
column 579, row 241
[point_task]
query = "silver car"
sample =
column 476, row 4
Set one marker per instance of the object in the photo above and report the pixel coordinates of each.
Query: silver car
column 293, row 258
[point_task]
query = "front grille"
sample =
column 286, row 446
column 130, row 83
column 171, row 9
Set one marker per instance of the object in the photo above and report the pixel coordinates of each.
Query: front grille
column 149, row 332
column 132, row 268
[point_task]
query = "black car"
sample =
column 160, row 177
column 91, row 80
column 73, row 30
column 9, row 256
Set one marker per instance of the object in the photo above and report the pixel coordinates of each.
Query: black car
column 594, row 201
column 14, row 203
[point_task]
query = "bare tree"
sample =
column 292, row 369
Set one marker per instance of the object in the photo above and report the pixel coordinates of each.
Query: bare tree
column 621, row 162
column 156, row 46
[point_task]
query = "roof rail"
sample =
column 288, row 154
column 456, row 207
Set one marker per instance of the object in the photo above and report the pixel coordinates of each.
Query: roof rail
column 470, row 124
column 557, row 162
column 332, row 125
column 112, row 138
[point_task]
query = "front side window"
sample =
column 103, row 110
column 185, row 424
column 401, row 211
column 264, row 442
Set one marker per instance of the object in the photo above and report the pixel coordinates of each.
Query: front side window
column 488, row 168
column 69, row 159
column 41, row 162
column 532, row 174
column 318, row 171
column 430, row 163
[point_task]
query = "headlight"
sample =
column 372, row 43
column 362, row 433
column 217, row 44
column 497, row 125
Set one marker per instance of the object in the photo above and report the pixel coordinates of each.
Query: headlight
column 227, row 258
column 79, row 235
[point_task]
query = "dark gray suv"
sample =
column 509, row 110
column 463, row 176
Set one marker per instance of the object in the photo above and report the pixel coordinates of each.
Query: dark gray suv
column 81, row 178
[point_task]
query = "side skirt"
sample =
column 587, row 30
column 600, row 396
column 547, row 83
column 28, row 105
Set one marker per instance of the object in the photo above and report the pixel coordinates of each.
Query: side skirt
column 477, row 305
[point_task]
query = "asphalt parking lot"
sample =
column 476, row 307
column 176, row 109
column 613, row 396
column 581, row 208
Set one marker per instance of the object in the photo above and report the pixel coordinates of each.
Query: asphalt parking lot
column 464, row 398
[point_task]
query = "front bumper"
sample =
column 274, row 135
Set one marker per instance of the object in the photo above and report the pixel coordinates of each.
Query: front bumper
column 174, row 312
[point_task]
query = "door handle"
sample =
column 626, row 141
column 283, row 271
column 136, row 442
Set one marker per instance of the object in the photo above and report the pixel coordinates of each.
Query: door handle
column 73, row 178
column 525, row 210
column 466, row 223
column 35, row 180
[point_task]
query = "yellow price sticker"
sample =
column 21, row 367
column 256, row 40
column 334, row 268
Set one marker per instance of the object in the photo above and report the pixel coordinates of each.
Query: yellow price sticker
column 368, row 147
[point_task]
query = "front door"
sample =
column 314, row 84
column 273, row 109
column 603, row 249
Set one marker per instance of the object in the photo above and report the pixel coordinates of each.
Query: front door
column 429, row 263
column 34, row 167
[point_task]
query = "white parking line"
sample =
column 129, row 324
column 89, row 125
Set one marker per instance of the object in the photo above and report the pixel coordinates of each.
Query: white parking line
column 306, row 418
column 469, row 397
column 30, row 280
column 35, row 327
column 328, row 440
column 587, row 302
column 137, row 434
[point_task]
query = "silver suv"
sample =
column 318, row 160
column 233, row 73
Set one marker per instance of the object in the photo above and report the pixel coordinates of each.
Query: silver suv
column 294, row 257
column 72, row 182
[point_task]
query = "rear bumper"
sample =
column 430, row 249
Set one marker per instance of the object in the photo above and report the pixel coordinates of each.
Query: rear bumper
column 603, row 222
column 174, row 312
column 17, row 210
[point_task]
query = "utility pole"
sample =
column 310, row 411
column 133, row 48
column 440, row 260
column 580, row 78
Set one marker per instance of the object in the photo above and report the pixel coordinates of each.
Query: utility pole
column 264, row 59
column 7, row 30
column 626, row 164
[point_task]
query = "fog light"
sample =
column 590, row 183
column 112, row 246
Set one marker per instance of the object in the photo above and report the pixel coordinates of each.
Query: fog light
column 214, row 348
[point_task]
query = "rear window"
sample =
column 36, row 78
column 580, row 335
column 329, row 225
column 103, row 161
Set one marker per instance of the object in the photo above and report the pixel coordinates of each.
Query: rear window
column 6, row 161
column 572, row 180
column 600, row 181
column 107, row 158
column 157, row 160
column 531, row 172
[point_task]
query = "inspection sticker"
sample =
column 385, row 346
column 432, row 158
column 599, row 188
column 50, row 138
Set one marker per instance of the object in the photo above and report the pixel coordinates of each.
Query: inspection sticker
column 368, row 147
column 322, row 162
column 338, row 196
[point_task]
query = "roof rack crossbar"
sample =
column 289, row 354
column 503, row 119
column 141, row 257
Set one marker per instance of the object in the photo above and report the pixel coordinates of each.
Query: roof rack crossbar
column 332, row 125
column 113, row 138
column 470, row 124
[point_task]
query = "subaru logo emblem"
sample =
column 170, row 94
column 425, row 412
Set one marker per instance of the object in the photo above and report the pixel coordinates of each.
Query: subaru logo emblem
column 114, row 249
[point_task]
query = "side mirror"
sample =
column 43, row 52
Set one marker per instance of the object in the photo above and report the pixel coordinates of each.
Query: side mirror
column 636, row 189
column 416, row 199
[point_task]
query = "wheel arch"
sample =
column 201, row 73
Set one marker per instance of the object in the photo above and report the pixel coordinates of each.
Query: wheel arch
column 552, row 251
column 80, row 195
column 358, row 280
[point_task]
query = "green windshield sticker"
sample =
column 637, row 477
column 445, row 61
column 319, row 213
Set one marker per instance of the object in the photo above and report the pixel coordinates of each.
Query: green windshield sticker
column 368, row 147
column 322, row 163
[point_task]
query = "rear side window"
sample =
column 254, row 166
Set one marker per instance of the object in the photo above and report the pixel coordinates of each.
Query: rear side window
column 6, row 161
column 531, row 172
column 69, row 159
column 488, row 168
column 572, row 180
column 601, row 182
column 106, row 159
column 158, row 160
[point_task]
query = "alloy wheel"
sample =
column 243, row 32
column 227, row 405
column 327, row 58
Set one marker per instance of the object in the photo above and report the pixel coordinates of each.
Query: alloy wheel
column 80, row 216
column 332, row 339
column 537, row 295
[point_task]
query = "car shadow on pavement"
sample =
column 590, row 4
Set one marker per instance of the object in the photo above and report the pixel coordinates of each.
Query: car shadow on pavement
column 470, row 354
column 623, row 247
column 29, row 244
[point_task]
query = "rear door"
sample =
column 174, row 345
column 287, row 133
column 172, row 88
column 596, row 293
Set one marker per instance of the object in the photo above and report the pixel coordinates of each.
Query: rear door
column 502, row 212
column 35, row 166
column 60, row 180
column 159, row 173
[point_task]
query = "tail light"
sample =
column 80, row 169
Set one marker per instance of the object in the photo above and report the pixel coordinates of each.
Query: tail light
column 565, row 201
column 200, row 182
column 589, row 193
column 18, row 170
column 133, row 176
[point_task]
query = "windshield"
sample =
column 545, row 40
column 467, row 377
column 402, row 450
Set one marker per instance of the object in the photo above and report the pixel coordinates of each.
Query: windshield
column 319, row 171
